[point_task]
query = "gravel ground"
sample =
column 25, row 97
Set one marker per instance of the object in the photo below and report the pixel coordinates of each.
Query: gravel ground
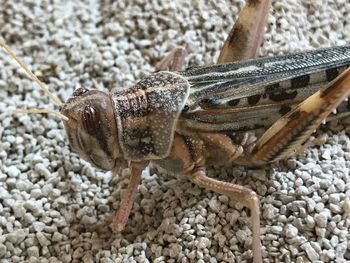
column 49, row 197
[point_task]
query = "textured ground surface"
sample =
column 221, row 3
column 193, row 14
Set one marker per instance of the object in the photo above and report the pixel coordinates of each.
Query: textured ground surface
column 48, row 195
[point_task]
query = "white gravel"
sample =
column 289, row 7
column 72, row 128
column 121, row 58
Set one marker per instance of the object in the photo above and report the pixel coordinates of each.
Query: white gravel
column 48, row 196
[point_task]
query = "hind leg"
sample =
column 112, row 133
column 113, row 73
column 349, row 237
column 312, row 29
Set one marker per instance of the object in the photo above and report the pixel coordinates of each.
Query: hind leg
column 242, row 43
column 246, row 35
column 290, row 133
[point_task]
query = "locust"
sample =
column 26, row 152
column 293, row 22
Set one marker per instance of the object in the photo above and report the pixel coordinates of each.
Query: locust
column 243, row 110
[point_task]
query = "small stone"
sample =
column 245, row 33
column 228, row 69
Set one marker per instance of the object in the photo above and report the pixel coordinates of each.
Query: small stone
column 19, row 211
column 174, row 250
column 334, row 198
column 55, row 193
column 303, row 190
column 299, row 182
column 311, row 253
column 346, row 205
column 330, row 254
column 47, row 189
column 214, row 204
column 319, row 207
column 13, row 171
column 36, row 193
column 42, row 170
column 34, row 206
column 326, row 154
column 50, row 229
column 78, row 253
column 276, row 229
column 316, row 246
column 334, row 241
column 310, row 204
column 336, row 209
column 199, row 219
column 340, row 184
column 16, row 237
column 28, row 218
column 38, row 226
column 192, row 254
column 203, row 242
column 299, row 260
column 326, row 184
column 321, row 232
column 291, row 231
column 222, row 238
column 270, row 212
column 321, row 219
column 33, row 251
column 57, row 237
column 211, row 219
column 88, row 258
column 42, row 239
column 3, row 250
column 340, row 250
column 241, row 235
column 11, row 182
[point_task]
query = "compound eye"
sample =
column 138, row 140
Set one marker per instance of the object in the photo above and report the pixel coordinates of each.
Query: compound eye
column 79, row 92
column 90, row 120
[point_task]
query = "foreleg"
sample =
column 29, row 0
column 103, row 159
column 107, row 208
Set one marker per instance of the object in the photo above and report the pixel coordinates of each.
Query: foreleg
column 121, row 217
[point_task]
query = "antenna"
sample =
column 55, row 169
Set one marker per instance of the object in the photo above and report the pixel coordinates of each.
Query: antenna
column 36, row 111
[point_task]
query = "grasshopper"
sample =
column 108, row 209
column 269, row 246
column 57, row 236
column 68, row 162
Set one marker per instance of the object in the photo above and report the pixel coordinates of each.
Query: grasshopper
column 243, row 110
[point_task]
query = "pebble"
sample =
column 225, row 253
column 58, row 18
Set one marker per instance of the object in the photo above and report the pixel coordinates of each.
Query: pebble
column 346, row 205
column 203, row 242
column 19, row 211
column 33, row 252
column 341, row 250
column 13, row 171
column 310, row 252
column 276, row 229
column 42, row 239
column 38, row 226
column 321, row 219
column 16, row 237
column 290, row 231
column 175, row 249
column 57, row 237
column 215, row 205
column 270, row 212
column 36, row 193
column 3, row 250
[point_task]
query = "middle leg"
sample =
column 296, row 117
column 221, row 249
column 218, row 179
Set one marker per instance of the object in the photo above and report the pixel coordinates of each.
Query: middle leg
column 189, row 155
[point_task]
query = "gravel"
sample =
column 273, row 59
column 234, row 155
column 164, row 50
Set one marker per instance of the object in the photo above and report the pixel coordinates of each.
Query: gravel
column 49, row 198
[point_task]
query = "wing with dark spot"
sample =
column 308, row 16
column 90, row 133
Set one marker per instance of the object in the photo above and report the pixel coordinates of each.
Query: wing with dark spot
column 254, row 94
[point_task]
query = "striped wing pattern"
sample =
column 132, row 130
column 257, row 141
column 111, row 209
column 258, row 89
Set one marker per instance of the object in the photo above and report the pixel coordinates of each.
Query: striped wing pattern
column 253, row 94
